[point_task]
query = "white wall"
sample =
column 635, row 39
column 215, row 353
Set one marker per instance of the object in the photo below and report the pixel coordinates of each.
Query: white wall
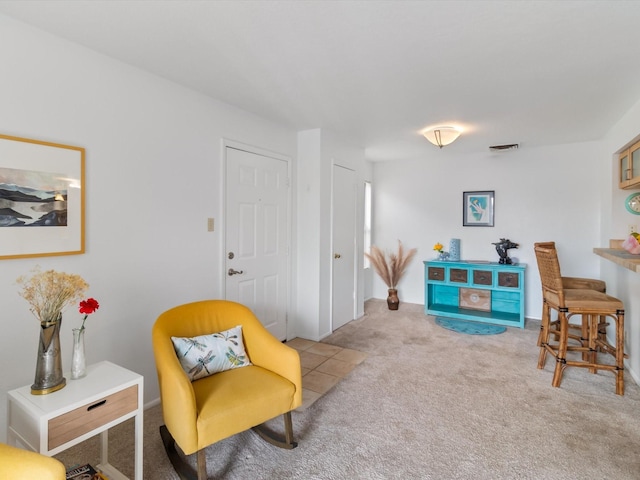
column 309, row 228
column 621, row 283
column 318, row 151
column 541, row 194
column 153, row 176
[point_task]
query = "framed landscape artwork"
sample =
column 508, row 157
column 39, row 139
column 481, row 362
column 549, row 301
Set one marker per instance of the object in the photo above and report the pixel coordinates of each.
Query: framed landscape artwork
column 478, row 209
column 41, row 198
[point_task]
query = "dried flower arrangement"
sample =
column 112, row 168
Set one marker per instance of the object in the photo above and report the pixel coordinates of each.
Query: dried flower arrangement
column 392, row 269
column 49, row 292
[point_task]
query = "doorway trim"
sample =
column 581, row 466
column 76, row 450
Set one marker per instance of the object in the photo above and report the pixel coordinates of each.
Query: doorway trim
column 228, row 143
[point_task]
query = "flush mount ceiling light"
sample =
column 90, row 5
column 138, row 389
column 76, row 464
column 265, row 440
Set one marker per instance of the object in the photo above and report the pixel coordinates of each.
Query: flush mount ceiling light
column 442, row 135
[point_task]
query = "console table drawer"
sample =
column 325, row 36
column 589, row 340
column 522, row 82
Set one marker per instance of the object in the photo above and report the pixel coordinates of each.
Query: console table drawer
column 475, row 299
column 508, row 279
column 482, row 277
column 75, row 423
column 436, row 273
column 458, row 275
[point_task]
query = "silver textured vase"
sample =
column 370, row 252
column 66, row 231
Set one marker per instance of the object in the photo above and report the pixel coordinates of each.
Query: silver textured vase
column 48, row 376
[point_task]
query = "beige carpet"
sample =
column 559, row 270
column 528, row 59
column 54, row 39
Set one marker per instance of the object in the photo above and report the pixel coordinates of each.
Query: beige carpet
column 429, row 403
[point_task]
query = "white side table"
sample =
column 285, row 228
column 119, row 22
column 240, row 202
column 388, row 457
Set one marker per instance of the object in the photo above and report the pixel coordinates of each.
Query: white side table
column 49, row 424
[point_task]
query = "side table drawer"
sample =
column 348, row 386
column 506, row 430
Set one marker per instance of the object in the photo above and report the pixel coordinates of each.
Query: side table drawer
column 75, row 423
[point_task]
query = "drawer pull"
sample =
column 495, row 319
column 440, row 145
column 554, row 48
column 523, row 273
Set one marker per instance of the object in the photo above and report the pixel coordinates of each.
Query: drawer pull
column 96, row 405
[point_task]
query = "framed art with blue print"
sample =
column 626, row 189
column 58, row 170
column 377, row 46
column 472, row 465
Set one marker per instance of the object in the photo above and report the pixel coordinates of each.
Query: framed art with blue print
column 478, row 208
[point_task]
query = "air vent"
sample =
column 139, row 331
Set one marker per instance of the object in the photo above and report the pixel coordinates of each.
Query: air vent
column 502, row 148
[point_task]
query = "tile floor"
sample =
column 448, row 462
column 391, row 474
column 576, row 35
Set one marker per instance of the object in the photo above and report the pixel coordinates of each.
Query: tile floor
column 323, row 366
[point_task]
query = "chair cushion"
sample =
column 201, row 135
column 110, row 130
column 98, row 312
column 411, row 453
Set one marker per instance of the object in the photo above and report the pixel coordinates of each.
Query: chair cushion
column 205, row 355
column 236, row 400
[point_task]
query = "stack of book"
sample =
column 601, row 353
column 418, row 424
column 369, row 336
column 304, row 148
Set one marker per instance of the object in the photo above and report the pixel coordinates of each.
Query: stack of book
column 85, row 472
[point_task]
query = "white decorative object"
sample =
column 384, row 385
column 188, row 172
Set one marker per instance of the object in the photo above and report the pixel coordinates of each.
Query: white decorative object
column 78, row 359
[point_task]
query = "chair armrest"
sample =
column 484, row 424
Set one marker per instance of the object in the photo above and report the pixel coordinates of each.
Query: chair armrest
column 18, row 463
column 176, row 393
column 268, row 352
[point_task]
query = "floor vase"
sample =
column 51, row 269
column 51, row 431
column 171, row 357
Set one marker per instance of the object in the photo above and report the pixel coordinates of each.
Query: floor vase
column 48, row 377
column 392, row 300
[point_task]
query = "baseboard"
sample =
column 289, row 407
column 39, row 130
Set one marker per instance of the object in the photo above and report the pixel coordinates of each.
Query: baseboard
column 153, row 403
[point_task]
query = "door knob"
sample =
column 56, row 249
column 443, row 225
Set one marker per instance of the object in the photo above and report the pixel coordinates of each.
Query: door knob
column 336, row 255
column 234, row 272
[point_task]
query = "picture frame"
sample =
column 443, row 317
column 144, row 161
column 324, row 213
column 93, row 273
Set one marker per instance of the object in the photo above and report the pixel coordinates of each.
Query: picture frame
column 478, row 208
column 42, row 198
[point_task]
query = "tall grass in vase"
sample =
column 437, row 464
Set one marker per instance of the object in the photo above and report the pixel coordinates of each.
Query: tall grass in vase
column 391, row 267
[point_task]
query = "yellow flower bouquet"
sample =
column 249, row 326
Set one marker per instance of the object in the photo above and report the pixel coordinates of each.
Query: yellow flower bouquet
column 442, row 255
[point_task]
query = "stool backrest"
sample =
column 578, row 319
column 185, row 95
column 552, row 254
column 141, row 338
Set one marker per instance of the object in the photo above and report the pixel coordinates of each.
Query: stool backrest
column 550, row 276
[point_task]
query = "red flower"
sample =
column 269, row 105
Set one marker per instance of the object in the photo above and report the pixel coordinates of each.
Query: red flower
column 89, row 306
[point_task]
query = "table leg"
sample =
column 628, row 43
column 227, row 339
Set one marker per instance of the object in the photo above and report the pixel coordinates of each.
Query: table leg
column 104, row 447
column 139, row 446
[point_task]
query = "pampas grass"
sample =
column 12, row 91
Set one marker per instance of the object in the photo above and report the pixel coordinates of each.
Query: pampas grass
column 390, row 269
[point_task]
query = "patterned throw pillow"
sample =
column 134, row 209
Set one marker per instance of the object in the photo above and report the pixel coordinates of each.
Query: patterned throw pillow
column 208, row 354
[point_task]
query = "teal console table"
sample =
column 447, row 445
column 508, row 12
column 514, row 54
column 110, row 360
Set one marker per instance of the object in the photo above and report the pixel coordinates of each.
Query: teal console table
column 485, row 292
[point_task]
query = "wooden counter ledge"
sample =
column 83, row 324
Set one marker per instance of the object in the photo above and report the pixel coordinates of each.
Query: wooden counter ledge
column 619, row 256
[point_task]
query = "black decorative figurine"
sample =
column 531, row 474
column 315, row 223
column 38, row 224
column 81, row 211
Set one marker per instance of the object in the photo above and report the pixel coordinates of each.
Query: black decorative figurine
column 501, row 247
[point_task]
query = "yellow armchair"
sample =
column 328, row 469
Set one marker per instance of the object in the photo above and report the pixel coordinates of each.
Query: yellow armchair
column 200, row 413
column 19, row 464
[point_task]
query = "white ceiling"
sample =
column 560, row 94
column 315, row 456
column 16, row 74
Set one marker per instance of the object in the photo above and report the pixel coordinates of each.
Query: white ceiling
column 377, row 72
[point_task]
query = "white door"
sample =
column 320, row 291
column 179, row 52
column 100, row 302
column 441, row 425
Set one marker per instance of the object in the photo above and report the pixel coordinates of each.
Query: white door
column 344, row 246
column 256, row 239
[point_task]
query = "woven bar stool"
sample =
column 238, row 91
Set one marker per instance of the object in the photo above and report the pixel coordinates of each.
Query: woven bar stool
column 577, row 283
column 593, row 306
